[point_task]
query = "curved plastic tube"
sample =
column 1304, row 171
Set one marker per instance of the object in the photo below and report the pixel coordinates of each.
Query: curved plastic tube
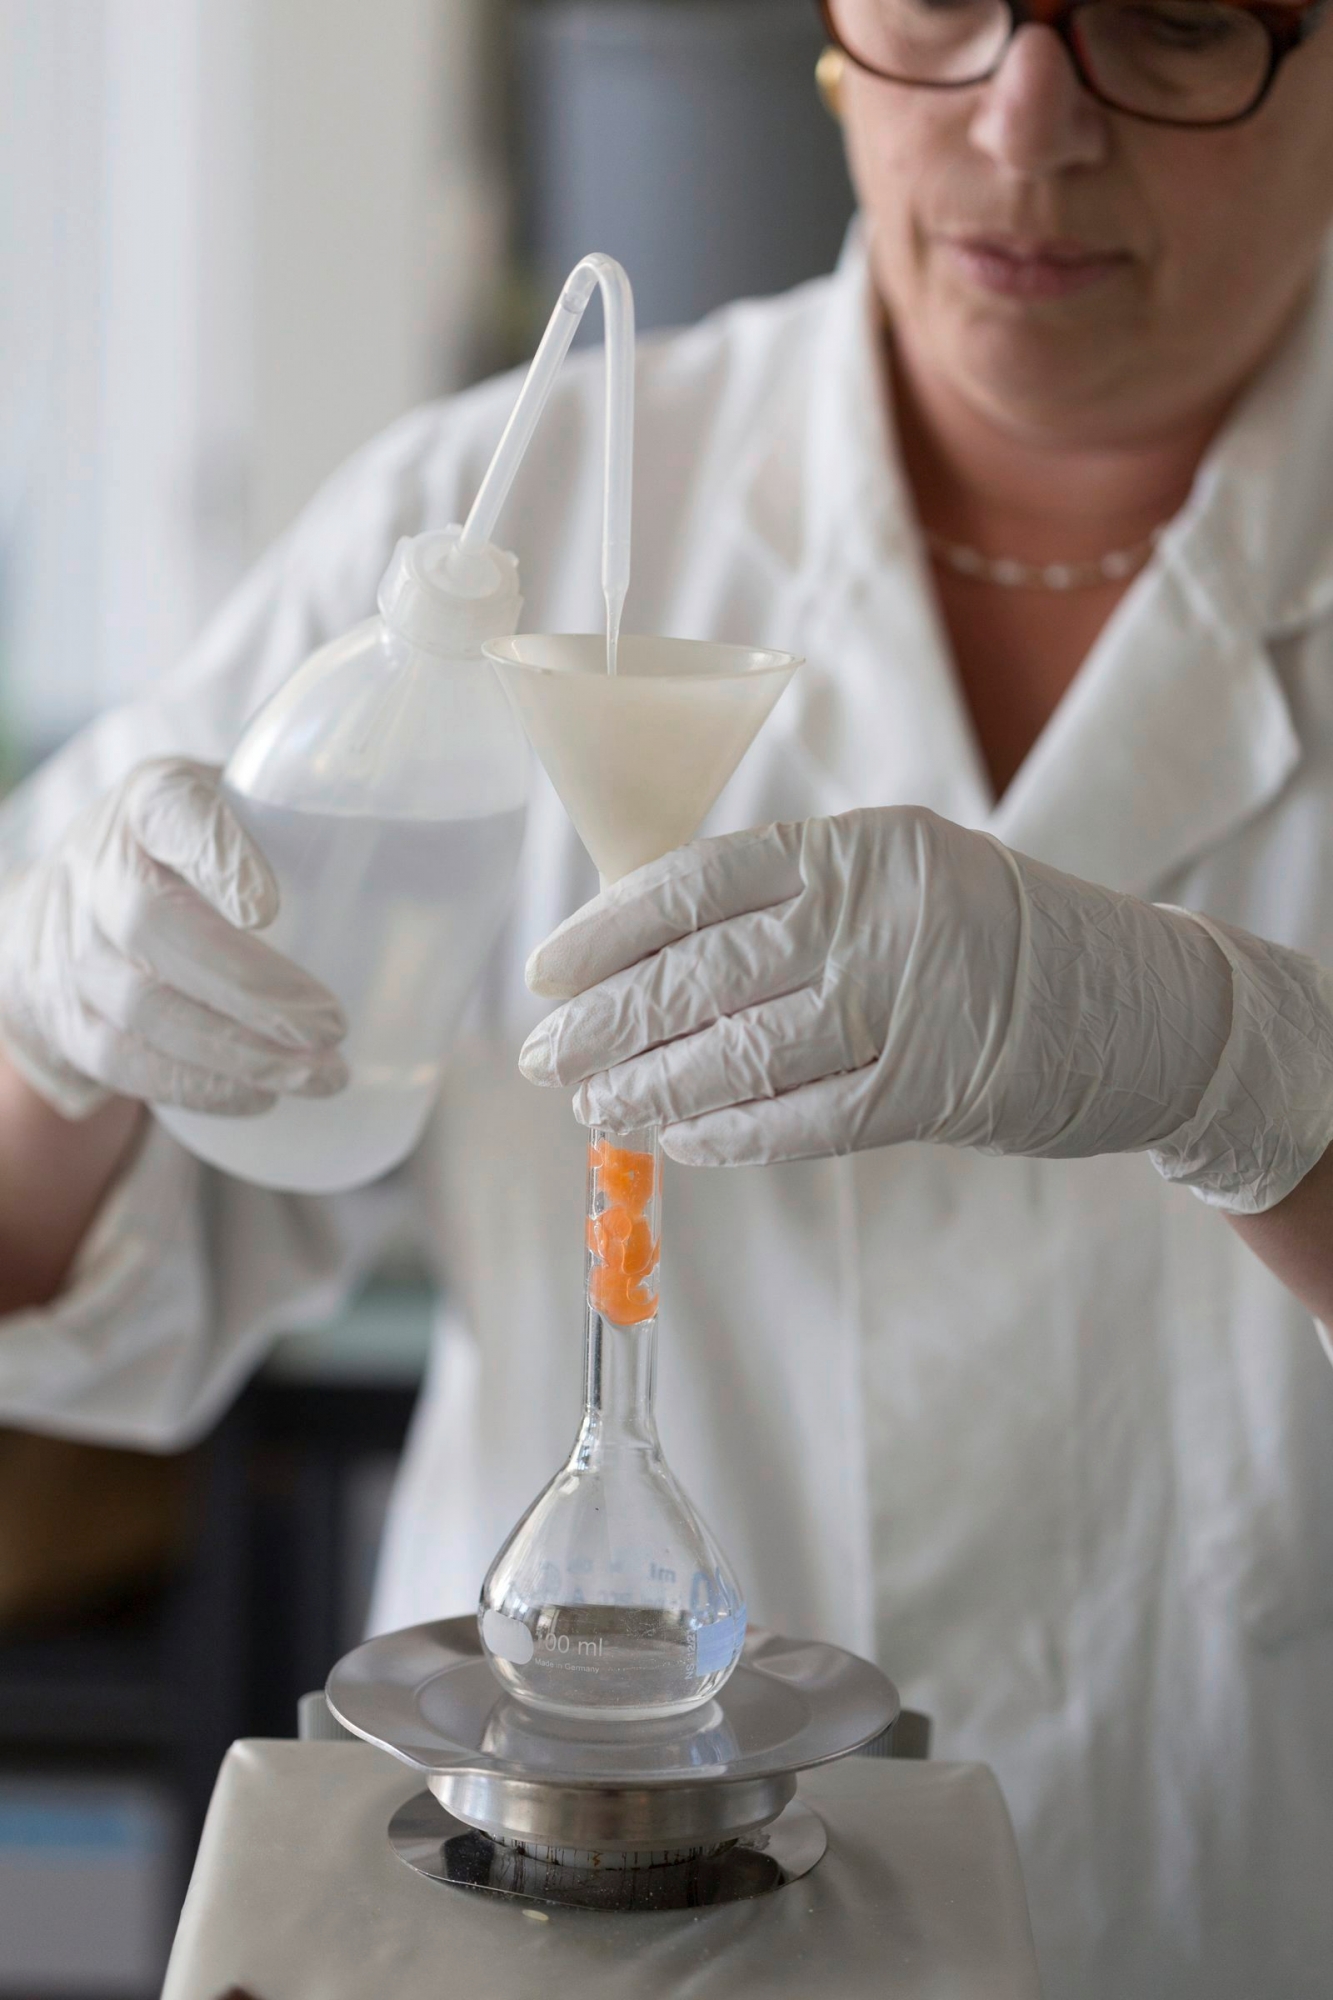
column 618, row 312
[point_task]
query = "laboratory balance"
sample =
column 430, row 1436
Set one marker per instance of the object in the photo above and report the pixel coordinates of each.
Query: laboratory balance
column 680, row 1813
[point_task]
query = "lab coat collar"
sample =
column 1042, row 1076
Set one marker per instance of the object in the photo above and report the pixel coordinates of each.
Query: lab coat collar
column 1257, row 534
column 1177, row 728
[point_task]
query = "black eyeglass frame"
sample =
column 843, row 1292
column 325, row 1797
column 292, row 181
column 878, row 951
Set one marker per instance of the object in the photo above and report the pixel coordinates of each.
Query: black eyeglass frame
column 1285, row 26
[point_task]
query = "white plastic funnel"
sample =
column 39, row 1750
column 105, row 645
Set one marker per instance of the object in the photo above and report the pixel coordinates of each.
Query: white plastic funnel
column 640, row 756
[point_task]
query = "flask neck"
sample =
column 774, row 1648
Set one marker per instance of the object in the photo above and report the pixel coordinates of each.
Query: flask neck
column 623, row 1252
column 619, row 1388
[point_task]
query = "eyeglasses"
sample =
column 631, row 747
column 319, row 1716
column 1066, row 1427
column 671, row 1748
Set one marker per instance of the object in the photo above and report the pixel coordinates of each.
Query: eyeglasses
column 1172, row 62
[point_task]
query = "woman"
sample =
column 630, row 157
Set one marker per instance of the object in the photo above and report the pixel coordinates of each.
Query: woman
column 1041, row 1433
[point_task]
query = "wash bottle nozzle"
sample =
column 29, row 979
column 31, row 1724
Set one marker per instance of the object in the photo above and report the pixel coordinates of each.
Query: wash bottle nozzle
column 593, row 272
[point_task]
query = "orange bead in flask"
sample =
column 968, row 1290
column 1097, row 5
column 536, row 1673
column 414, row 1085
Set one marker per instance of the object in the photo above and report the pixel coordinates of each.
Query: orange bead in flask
column 622, row 1277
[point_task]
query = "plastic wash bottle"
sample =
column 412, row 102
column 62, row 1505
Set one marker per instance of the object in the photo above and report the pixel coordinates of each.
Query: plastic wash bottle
column 386, row 785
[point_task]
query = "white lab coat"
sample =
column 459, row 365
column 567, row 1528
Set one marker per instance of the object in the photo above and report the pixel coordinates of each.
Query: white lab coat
column 1040, row 1436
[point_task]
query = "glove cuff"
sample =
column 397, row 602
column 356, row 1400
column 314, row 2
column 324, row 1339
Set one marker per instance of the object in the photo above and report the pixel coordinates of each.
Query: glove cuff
column 68, row 1092
column 1267, row 1116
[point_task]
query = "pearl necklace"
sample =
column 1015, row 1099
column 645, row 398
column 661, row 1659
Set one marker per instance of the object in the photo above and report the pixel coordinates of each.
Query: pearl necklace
column 1012, row 575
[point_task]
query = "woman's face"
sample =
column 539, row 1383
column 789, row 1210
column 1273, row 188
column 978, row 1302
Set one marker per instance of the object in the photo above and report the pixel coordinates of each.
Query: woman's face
column 1174, row 258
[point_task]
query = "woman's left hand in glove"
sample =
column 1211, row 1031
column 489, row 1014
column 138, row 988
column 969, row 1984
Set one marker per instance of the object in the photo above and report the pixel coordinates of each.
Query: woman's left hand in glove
column 886, row 976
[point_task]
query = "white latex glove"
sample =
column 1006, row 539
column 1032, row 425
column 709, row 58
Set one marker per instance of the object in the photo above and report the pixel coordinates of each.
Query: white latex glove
column 886, row 976
column 126, row 964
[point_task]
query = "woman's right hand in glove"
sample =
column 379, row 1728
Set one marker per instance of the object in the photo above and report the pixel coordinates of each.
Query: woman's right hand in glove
column 129, row 964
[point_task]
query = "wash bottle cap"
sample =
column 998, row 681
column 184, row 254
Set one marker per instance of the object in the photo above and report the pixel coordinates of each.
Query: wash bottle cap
column 446, row 598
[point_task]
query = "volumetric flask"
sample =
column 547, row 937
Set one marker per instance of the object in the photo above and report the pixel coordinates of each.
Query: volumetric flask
column 611, row 1595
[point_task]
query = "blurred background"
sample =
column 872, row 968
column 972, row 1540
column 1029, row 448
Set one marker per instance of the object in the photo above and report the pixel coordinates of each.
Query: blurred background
column 237, row 237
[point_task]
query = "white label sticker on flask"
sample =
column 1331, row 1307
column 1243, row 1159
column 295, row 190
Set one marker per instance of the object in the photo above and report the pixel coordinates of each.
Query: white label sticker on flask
column 507, row 1638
